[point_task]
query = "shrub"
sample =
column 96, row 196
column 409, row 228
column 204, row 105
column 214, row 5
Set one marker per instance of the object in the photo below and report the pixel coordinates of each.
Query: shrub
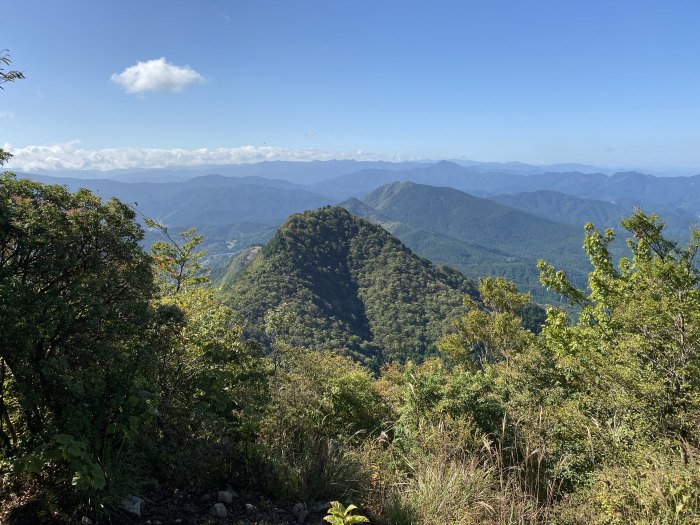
column 321, row 406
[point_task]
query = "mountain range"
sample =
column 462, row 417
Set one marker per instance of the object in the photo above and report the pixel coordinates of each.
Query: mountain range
column 479, row 218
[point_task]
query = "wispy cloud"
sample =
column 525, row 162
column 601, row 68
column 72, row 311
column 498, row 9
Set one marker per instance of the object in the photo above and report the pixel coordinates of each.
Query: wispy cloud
column 71, row 156
column 6, row 115
column 156, row 75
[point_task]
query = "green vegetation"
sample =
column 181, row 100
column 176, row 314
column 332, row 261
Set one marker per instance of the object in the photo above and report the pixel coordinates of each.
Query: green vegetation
column 353, row 288
column 339, row 366
column 340, row 515
column 116, row 367
column 476, row 236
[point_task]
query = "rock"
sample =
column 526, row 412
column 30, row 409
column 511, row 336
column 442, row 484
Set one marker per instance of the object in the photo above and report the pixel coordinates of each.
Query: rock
column 225, row 496
column 132, row 505
column 85, row 521
column 300, row 512
column 178, row 520
column 205, row 497
column 249, row 507
column 219, row 510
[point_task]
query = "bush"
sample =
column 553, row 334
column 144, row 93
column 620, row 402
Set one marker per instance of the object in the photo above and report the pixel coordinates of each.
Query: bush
column 322, row 405
column 76, row 328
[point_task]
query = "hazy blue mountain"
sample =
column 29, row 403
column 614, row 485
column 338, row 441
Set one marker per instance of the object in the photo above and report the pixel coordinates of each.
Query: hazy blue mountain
column 209, row 199
column 522, row 168
column 443, row 173
column 576, row 211
column 475, row 180
column 225, row 205
column 231, row 212
column 294, row 171
column 568, row 209
column 663, row 195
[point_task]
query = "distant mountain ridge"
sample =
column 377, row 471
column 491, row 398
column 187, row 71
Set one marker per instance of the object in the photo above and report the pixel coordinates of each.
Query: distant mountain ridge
column 561, row 207
column 626, row 189
column 231, row 212
column 238, row 211
column 305, row 172
column 302, row 172
column 576, row 211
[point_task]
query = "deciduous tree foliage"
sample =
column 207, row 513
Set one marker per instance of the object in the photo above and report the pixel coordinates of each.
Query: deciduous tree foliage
column 603, row 402
column 211, row 383
column 75, row 316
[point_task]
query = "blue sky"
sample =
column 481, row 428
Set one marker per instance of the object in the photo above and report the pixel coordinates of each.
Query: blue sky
column 613, row 83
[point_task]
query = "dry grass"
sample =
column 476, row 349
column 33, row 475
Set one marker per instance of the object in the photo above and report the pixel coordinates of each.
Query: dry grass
column 448, row 480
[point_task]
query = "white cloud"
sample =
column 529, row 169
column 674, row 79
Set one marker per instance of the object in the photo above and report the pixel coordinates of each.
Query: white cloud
column 156, row 75
column 70, row 156
column 6, row 115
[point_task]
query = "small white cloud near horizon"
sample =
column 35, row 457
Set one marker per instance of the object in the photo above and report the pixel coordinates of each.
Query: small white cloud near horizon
column 70, row 156
column 156, row 75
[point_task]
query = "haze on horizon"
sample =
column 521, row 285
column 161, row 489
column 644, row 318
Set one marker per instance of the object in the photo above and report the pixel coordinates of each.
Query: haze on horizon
column 134, row 84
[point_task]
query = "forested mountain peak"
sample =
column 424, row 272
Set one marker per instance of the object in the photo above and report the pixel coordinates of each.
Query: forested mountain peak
column 352, row 286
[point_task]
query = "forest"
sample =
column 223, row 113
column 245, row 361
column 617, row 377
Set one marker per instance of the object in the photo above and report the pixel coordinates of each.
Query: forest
column 338, row 366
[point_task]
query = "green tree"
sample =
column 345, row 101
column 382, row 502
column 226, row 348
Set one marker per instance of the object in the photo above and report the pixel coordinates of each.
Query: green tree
column 641, row 322
column 75, row 320
column 490, row 333
column 177, row 263
column 211, row 382
column 583, row 401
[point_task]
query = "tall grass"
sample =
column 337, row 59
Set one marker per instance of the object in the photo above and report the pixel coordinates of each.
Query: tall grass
column 445, row 478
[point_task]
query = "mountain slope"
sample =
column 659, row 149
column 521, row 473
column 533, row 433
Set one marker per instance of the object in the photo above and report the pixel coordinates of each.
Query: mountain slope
column 209, row 199
column 353, row 288
column 560, row 207
column 473, row 260
column 519, row 236
column 574, row 210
